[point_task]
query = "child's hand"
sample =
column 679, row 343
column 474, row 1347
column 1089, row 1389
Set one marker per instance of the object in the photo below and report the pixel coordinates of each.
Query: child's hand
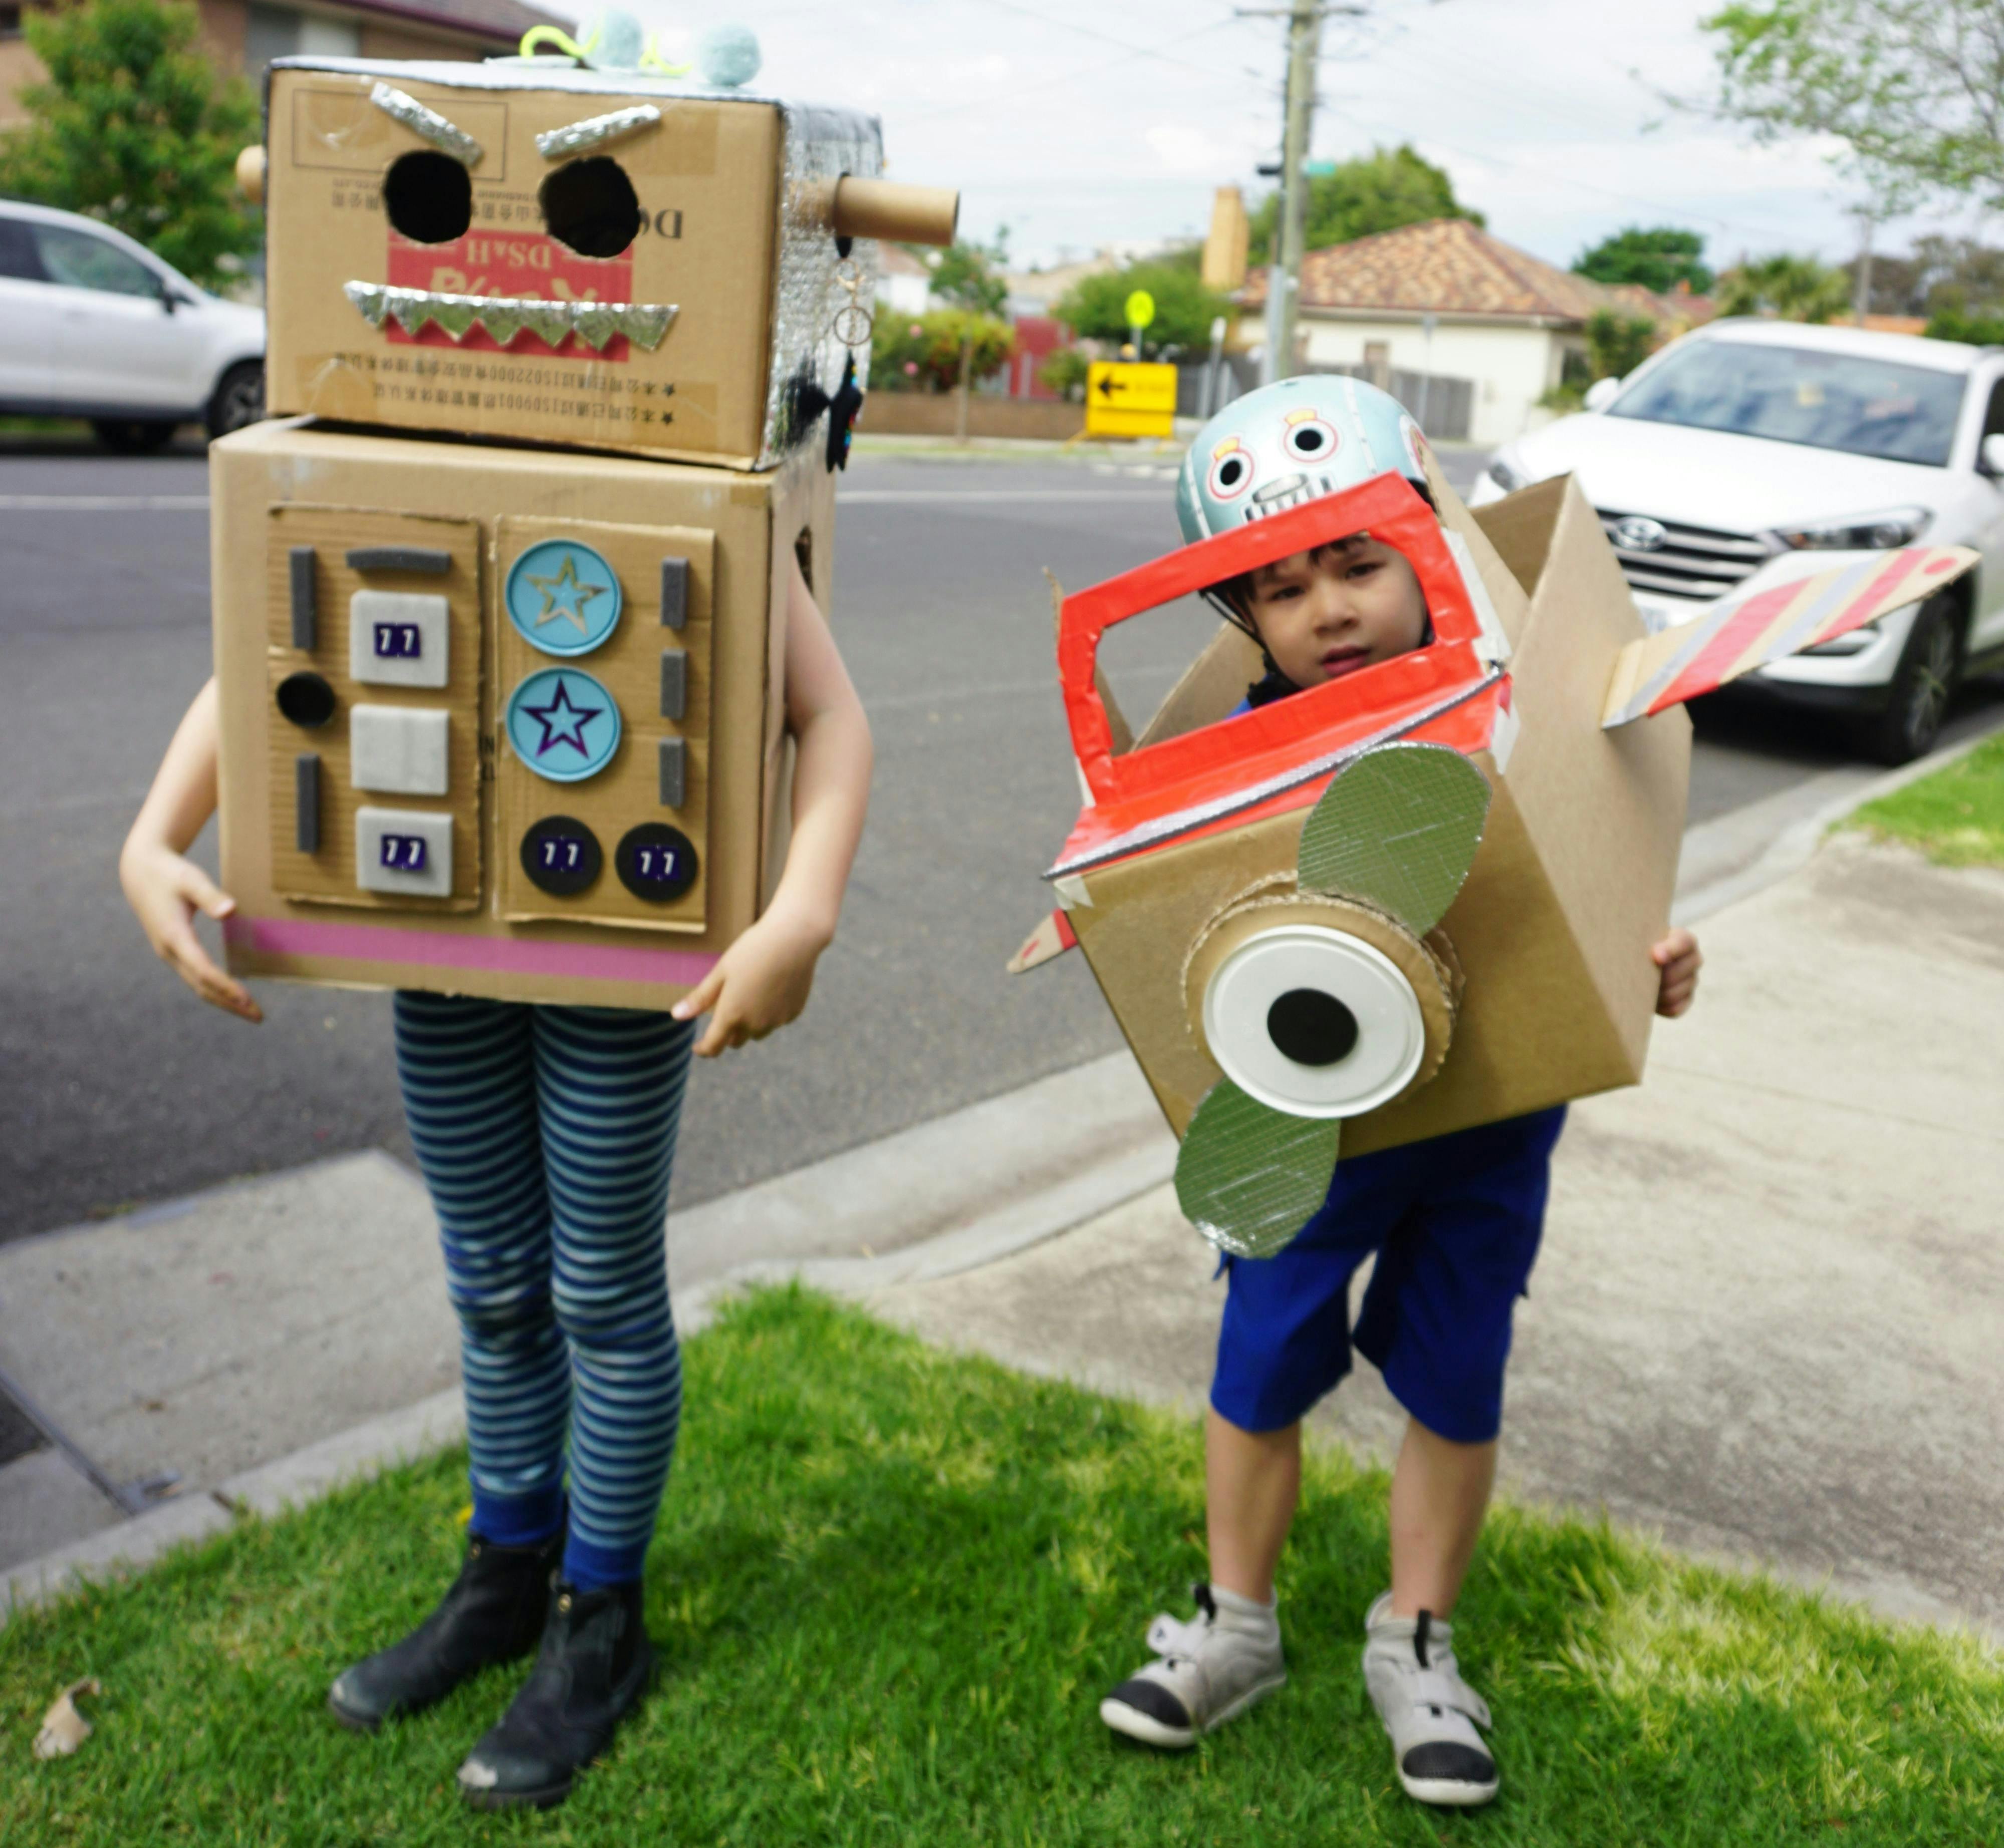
column 1677, row 956
column 759, row 984
column 165, row 890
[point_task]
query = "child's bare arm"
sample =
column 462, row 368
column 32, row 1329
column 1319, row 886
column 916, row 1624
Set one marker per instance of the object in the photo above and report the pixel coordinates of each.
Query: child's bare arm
column 1678, row 959
column 164, row 888
column 762, row 981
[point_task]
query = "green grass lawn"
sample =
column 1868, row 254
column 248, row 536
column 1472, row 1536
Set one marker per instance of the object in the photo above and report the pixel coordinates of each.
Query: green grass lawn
column 890, row 1588
column 1956, row 817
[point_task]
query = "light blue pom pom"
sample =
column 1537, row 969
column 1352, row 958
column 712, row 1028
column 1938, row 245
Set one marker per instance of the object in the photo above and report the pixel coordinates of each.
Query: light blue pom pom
column 621, row 44
column 728, row 56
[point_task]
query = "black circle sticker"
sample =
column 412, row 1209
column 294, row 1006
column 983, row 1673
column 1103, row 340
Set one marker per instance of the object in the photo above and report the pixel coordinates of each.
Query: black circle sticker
column 562, row 856
column 1311, row 1027
column 306, row 699
column 656, row 862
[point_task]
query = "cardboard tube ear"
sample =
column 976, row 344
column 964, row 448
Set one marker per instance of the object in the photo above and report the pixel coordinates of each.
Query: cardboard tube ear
column 1399, row 829
column 1249, row 1178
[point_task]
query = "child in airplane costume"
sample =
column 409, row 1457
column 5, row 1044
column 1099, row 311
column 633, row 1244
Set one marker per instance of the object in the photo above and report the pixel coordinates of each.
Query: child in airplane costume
column 1420, row 957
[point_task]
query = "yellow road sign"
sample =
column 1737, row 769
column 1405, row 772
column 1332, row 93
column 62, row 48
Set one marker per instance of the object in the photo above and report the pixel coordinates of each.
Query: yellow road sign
column 1140, row 309
column 1130, row 400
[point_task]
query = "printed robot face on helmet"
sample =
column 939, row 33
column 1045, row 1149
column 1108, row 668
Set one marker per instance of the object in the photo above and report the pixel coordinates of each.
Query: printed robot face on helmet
column 1291, row 442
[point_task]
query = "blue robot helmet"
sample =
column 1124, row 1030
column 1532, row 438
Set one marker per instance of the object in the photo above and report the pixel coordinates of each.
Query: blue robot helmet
column 1291, row 442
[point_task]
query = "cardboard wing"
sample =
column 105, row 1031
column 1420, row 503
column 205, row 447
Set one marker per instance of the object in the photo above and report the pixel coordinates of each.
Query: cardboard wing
column 1746, row 631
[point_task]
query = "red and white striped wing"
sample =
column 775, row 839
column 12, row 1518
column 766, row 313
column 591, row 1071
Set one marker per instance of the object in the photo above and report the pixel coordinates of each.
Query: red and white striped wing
column 1766, row 625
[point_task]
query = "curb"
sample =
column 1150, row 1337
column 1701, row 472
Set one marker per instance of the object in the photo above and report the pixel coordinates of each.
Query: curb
column 1796, row 844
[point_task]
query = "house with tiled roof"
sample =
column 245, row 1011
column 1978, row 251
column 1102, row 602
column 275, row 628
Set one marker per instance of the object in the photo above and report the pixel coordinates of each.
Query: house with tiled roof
column 1467, row 331
column 242, row 37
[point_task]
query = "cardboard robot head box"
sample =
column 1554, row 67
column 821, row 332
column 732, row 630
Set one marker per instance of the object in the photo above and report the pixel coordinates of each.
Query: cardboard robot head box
column 497, row 720
column 1419, row 897
column 532, row 250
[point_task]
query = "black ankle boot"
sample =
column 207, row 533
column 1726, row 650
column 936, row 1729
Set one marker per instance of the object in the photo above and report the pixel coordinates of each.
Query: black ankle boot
column 594, row 1664
column 493, row 1613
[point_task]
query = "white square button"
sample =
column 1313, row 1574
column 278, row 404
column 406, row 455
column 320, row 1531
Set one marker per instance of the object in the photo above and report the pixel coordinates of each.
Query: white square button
column 404, row 850
column 397, row 751
column 399, row 637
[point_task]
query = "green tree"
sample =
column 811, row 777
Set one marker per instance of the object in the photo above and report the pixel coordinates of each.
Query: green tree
column 1617, row 343
column 1379, row 191
column 924, row 355
column 1797, row 289
column 1095, row 307
column 1658, row 258
column 133, row 127
column 1913, row 88
column 969, row 276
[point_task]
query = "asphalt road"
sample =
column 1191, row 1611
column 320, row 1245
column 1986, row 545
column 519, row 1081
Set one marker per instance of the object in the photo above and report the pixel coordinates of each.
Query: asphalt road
column 116, row 1087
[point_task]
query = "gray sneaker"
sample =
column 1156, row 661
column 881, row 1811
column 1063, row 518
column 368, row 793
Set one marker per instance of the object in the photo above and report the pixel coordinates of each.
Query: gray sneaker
column 1430, row 1712
column 1205, row 1672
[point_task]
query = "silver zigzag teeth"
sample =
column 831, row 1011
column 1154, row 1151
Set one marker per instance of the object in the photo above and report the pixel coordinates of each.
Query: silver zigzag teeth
column 645, row 323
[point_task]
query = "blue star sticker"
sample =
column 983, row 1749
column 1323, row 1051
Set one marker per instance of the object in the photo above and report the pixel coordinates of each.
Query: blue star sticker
column 563, row 722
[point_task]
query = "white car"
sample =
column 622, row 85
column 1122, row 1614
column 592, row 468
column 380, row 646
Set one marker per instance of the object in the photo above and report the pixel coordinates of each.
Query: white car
column 93, row 325
column 1751, row 452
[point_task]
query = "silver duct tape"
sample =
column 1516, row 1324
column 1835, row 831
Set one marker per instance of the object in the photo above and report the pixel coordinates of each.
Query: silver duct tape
column 1398, row 827
column 502, row 318
column 820, row 146
column 595, row 132
column 1249, row 1177
column 448, row 136
column 1167, row 827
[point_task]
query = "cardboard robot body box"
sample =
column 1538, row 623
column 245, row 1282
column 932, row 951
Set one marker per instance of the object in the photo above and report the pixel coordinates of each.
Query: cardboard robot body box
column 501, row 721
column 526, row 250
column 1421, row 896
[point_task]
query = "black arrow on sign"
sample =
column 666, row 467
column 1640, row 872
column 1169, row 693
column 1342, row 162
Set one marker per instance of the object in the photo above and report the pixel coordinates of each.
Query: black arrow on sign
column 1108, row 384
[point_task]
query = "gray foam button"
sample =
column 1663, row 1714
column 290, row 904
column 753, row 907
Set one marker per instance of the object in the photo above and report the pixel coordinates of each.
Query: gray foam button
column 406, row 851
column 398, row 750
column 306, row 802
column 305, row 607
column 675, row 592
column 425, row 558
column 674, row 772
column 674, row 683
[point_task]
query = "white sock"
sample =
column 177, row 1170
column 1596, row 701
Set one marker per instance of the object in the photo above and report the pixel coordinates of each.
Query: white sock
column 1247, row 1616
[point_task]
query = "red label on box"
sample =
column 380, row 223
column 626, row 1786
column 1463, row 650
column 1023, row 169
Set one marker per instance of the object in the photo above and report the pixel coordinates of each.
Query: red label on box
column 524, row 264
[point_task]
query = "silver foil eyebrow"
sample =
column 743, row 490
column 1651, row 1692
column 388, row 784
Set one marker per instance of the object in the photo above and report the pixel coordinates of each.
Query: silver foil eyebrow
column 595, row 132
column 448, row 136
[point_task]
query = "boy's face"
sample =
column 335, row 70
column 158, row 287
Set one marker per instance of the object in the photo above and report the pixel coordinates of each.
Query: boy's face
column 1327, row 613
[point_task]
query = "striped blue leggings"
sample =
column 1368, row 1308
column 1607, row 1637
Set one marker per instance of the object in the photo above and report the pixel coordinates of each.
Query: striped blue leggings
column 546, row 1135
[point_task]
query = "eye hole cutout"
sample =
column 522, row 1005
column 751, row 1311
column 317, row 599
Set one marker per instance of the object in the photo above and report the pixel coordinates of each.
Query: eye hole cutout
column 1311, row 440
column 590, row 206
column 1311, row 1027
column 1231, row 474
column 428, row 196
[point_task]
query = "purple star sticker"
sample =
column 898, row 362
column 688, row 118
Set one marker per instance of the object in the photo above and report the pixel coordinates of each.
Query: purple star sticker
column 562, row 722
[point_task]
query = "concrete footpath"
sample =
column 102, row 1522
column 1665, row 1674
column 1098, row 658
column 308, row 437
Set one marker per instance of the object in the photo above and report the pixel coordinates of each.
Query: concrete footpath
column 1765, row 1322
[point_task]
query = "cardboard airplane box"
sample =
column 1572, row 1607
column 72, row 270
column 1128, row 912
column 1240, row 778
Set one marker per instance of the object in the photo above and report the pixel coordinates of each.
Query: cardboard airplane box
column 530, row 249
column 1421, row 896
column 497, row 721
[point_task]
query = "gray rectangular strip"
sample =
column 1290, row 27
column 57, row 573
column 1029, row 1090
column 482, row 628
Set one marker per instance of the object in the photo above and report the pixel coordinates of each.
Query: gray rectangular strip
column 305, row 610
column 425, row 558
column 306, row 802
column 675, row 592
column 674, row 772
column 674, row 683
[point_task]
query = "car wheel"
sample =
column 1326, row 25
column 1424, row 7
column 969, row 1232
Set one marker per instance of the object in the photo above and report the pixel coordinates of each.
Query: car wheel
column 134, row 436
column 239, row 399
column 1923, row 684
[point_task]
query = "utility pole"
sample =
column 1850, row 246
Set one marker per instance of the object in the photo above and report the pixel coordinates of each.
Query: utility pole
column 1860, row 287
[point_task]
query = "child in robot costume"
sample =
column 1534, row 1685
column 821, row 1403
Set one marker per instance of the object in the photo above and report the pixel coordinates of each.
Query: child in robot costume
column 547, row 1135
column 1453, row 1221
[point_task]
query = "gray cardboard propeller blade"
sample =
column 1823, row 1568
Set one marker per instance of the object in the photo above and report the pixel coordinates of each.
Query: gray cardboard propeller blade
column 1249, row 1177
column 1399, row 829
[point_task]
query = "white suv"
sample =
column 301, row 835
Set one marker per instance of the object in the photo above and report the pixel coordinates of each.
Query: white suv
column 1754, row 452
column 93, row 325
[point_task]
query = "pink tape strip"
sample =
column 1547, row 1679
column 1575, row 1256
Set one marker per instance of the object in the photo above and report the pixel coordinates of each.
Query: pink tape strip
column 441, row 949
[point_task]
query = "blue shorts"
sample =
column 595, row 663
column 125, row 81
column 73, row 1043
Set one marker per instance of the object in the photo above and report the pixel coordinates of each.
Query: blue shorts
column 1455, row 1222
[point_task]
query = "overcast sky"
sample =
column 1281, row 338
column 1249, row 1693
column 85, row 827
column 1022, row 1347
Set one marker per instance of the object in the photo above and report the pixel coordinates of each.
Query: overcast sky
column 1078, row 123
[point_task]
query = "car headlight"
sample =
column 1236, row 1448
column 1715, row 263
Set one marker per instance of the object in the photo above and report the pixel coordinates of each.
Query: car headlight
column 1859, row 532
column 1506, row 475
